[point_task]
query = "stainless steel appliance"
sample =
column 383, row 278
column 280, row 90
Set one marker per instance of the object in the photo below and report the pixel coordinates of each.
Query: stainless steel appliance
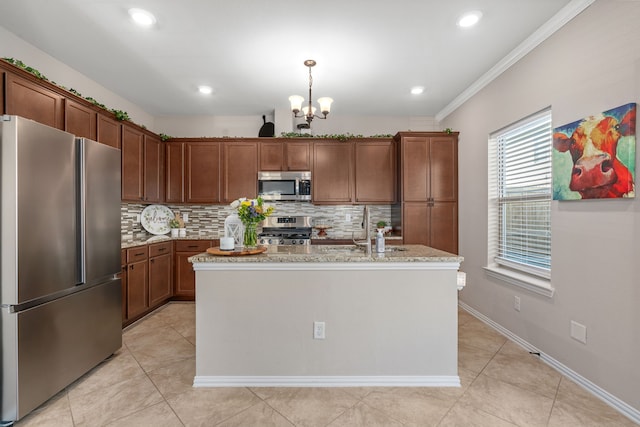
column 61, row 309
column 295, row 186
column 286, row 230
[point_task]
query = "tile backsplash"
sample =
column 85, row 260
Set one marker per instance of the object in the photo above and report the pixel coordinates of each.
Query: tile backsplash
column 209, row 219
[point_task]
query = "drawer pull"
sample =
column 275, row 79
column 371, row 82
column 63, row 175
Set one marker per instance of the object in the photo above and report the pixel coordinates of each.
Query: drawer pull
column 192, row 246
column 162, row 249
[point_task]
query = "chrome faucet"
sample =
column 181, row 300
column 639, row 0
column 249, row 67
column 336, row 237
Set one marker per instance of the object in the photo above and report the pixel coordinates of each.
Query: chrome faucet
column 366, row 220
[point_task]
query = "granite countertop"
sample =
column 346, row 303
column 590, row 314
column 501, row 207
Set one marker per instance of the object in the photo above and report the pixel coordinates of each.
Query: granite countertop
column 149, row 239
column 334, row 253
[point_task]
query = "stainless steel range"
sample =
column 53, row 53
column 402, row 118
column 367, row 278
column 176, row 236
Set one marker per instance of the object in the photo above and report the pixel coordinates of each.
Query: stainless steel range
column 286, row 230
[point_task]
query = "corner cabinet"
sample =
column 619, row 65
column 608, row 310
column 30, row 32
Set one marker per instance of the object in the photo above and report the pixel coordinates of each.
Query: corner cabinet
column 429, row 189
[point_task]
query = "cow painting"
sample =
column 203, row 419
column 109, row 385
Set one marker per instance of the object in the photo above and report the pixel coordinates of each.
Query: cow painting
column 594, row 157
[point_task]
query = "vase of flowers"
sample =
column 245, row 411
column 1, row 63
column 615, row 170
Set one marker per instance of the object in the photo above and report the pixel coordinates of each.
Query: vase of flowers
column 251, row 213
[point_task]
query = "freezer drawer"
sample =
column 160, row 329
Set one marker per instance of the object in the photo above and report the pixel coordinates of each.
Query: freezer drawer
column 47, row 347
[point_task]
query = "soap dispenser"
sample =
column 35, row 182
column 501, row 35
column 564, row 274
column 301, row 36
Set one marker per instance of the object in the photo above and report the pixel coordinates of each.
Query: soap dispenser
column 380, row 241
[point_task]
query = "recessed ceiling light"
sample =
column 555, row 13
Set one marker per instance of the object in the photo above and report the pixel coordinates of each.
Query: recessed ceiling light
column 205, row 89
column 142, row 17
column 469, row 19
column 417, row 90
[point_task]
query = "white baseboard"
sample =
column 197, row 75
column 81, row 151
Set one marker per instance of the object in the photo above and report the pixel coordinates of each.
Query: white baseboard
column 327, row 381
column 624, row 408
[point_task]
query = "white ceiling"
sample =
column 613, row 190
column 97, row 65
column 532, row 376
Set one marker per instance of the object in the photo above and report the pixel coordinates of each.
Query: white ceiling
column 369, row 53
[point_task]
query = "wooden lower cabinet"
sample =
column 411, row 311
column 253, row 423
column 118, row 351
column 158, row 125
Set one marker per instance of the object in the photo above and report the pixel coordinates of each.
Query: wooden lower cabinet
column 432, row 224
column 185, row 277
column 160, row 269
column 137, row 283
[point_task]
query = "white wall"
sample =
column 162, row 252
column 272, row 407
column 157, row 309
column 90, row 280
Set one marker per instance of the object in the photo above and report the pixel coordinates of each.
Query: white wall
column 590, row 65
column 12, row 46
column 249, row 126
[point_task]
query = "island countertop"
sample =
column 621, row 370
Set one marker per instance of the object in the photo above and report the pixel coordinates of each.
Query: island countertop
column 335, row 254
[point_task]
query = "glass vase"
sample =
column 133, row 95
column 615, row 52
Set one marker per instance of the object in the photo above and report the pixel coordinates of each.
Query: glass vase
column 250, row 238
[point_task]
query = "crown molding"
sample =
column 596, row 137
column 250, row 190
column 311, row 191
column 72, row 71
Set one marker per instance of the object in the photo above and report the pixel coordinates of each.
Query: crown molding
column 566, row 14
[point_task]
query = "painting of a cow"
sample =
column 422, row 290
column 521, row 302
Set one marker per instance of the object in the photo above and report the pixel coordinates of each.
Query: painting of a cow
column 594, row 157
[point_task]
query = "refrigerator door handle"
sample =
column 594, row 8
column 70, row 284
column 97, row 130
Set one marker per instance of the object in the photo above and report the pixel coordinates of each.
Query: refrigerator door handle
column 82, row 211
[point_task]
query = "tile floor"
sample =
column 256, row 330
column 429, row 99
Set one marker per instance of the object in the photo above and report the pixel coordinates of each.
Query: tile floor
column 148, row 383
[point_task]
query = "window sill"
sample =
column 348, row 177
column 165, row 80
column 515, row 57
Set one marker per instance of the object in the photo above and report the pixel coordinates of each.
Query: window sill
column 530, row 283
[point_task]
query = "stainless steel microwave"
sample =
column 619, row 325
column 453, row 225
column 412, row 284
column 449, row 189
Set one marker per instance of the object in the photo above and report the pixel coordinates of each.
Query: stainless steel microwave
column 294, row 186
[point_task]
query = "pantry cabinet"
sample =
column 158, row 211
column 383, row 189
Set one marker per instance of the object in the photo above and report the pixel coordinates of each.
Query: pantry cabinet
column 429, row 187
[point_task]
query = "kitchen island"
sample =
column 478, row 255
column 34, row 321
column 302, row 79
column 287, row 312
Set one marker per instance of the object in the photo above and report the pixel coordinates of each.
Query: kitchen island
column 387, row 320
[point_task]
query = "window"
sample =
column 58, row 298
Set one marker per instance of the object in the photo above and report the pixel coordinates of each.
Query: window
column 520, row 203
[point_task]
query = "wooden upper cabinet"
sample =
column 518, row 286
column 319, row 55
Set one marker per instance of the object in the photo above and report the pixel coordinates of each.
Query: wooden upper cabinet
column 332, row 172
column 240, row 170
column 174, row 172
column 443, row 168
column 285, row 156
column 298, row 155
column 108, row 131
column 202, row 172
column 132, row 163
column 79, row 119
column 271, row 155
column 415, row 169
column 375, row 169
column 153, row 169
column 430, row 168
column 32, row 101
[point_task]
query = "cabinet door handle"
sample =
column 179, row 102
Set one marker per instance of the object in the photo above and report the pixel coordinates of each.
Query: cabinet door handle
column 131, row 267
column 153, row 261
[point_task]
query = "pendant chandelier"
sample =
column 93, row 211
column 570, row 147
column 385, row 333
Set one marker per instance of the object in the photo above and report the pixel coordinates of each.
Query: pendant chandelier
column 309, row 111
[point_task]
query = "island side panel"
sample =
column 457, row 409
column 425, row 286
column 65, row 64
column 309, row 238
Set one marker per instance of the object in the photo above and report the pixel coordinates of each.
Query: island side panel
column 259, row 322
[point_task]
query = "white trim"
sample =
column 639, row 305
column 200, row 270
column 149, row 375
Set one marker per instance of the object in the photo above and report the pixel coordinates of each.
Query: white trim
column 565, row 15
column 530, row 283
column 341, row 266
column 619, row 405
column 327, row 381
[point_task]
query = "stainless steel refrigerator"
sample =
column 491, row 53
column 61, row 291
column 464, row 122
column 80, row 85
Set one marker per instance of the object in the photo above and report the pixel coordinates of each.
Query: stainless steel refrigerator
column 60, row 244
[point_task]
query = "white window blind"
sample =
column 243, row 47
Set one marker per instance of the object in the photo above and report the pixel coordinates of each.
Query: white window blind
column 523, row 195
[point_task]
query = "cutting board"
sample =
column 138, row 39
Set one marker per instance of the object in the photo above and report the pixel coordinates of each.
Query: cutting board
column 220, row 252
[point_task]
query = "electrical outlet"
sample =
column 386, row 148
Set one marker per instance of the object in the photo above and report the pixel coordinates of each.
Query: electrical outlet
column 137, row 218
column 516, row 303
column 185, row 217
column 318, row 330
column 347, row 217
column 578, row 332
